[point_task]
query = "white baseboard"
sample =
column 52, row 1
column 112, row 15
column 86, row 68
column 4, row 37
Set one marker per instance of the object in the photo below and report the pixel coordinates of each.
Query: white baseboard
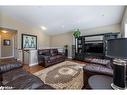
column 7, row 57
column 18, row 59
column 70, row 57
column 33, row 64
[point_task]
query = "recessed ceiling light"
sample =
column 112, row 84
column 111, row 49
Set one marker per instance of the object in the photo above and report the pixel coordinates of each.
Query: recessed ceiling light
column 4, row 31
column 79, row 21
column 102, row 14
column 43, row 28
column 63, row 26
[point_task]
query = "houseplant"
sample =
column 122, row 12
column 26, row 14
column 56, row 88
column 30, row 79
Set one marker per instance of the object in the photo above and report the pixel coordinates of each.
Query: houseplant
column 77, row 33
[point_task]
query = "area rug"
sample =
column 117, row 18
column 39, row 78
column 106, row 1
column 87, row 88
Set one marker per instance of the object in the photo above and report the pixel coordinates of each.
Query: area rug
column 65, row 75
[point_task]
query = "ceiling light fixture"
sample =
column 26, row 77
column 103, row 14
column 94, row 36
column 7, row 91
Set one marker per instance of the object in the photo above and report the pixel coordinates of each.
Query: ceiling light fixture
column 43, row 28
column 4, row 31
column 102, row 14
column 63, row 26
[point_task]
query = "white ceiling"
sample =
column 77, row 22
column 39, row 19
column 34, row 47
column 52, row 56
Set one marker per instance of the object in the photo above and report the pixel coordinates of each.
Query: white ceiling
column 59, row 19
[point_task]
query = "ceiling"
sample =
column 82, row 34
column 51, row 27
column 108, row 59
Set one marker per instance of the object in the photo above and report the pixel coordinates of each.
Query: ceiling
column 60, row 19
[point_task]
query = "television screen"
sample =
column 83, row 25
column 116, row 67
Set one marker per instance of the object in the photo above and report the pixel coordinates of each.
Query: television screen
column 117, row 48
column 94, row 48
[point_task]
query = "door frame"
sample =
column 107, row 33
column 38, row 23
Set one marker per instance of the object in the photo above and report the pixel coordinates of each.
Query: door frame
column 0, row 46
column 14, row 38
column 15, row 45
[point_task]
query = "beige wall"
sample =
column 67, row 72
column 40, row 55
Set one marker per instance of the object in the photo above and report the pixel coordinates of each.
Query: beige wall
column 61, row 40
column 67, row 38
column 0, row 46
column 7, row 51
column 43, row 38
column 8, row 22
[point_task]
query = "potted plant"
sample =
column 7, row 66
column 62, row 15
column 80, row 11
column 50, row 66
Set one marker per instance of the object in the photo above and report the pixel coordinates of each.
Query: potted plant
column 77, row 33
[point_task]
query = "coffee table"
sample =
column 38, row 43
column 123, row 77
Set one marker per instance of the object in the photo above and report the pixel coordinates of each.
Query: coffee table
column 100, row 82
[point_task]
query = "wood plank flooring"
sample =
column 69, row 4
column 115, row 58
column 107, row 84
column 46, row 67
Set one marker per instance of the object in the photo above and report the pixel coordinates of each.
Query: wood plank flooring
column 33, row 69
column 36, row 68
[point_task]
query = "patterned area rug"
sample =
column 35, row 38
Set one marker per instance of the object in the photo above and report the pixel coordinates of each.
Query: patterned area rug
column 65, row 75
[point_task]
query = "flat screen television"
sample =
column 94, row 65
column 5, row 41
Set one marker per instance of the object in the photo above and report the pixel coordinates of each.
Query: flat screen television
column 117, row 48
column 94, row 48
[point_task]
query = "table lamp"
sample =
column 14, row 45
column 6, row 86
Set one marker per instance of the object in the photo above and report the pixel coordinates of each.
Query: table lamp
column 117, row 50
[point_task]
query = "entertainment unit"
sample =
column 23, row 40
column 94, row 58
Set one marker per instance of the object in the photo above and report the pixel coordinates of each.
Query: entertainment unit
column 91, row 45
column 94, row 47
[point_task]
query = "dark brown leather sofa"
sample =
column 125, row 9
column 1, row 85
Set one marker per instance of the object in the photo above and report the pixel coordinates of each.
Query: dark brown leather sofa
column 13, row 75
column 48, row 57
column 98, row 68
column 93, row 68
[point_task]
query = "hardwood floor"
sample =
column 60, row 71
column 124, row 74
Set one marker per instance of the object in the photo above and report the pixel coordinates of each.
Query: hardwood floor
column 36, row 68
column 8, row 60
column 80, row 62
column 33, row 69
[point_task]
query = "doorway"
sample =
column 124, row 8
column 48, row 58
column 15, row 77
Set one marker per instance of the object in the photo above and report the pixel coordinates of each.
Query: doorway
column 0, row 46
column 8, row 43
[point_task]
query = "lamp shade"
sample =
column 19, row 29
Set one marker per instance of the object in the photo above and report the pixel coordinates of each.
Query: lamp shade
column 117, row 48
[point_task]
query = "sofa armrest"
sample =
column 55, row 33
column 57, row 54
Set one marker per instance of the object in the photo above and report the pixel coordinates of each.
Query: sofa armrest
column 93, row 68
column 46, row 58
column 9, row 66
column 40, row 56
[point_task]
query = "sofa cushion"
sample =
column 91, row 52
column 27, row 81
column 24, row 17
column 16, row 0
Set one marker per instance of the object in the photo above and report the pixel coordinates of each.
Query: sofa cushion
column 98, row 69
column 44, row 52
column 20, row 79
column 9, row 66
column 13, row 74
column 53, row 58
column 59, row 56
column 54, row 52
column 104, row 62
column 25, row 82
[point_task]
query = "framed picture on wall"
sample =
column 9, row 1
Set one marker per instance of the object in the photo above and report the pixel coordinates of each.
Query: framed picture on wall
column 6, row 42
column 29, row 41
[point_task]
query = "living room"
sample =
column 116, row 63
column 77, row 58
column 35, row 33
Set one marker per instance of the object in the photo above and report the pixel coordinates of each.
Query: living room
column 63, row 47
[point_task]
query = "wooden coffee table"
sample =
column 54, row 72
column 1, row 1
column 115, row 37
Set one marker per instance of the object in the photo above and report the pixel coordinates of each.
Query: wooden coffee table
column 100, row 82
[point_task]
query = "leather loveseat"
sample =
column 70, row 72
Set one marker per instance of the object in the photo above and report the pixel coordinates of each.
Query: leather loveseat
column 13, row 76
column 48, row 57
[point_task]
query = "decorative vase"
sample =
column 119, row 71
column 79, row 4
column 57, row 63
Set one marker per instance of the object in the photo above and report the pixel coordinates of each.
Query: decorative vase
column 66, row 51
